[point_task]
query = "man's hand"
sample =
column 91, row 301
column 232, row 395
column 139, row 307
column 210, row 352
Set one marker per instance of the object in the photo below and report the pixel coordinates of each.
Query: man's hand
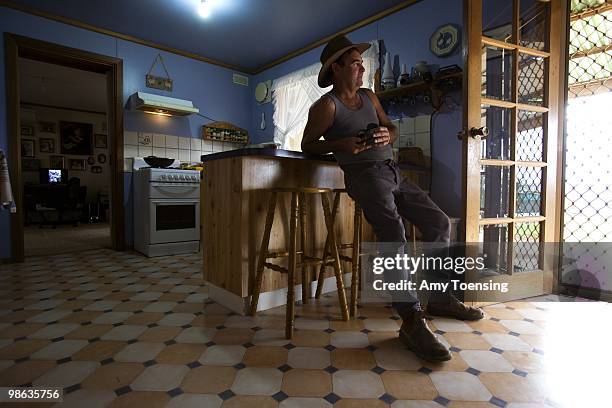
column 351, row 145
column 380, row 137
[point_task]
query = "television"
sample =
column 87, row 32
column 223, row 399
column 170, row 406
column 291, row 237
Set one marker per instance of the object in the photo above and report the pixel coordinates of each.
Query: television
column 53, row 176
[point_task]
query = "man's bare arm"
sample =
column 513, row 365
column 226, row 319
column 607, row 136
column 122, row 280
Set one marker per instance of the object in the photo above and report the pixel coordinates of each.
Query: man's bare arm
column 320, row 119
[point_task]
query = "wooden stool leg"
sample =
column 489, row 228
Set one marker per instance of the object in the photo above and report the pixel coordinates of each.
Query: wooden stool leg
column 293, row 224
column 263, row 252
column 336, row 258
column 305, row 268
column 355, row 260
column 321, row 276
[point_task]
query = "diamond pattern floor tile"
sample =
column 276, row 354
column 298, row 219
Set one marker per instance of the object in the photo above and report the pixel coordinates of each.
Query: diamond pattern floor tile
column 118, row 329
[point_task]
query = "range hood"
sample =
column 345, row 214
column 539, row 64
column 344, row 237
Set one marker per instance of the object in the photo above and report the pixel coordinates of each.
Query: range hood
column 162, row 105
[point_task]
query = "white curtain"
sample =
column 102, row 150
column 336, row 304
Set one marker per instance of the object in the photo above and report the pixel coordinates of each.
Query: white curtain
column 294, row 93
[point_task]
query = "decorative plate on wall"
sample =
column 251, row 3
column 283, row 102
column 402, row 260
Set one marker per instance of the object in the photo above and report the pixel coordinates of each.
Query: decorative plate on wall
column 263, row 92
column 444, row 40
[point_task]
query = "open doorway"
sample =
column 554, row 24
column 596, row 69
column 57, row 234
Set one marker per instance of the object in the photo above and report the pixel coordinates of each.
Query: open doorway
column 65, row 118
column 64, row 158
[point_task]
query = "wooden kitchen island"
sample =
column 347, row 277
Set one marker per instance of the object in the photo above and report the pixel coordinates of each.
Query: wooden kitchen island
column 234, row 202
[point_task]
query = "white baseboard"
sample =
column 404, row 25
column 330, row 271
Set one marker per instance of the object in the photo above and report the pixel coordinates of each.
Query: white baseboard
column 268, row 300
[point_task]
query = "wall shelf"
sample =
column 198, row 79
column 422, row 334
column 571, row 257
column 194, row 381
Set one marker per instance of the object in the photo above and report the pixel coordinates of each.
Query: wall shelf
column 224, row 132
column 437, row 88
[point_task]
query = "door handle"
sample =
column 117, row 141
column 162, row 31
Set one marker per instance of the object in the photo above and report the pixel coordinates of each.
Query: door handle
column 483, row 132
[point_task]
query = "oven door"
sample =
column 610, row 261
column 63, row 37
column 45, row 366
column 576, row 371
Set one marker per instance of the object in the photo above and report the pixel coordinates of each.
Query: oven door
column 174, row 220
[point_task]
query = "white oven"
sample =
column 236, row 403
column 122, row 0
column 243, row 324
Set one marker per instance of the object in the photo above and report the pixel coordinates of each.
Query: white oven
column 166, row 211
column 174, row 220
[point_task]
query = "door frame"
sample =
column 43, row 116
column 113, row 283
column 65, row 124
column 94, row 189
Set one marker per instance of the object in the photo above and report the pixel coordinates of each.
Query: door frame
column 16, row 46
column 552, row 173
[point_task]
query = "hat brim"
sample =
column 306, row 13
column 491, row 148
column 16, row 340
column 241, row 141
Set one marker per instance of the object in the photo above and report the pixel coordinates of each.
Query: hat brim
column 323, row 80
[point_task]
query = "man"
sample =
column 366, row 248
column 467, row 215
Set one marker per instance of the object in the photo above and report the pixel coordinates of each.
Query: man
column 375, row 182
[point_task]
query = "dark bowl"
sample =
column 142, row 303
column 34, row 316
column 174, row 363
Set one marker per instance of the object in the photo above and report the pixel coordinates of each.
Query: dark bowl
column 158, row 162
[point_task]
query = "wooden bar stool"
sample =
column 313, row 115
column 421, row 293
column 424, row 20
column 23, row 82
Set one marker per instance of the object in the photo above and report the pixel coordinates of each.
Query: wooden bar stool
column 353, row 259
column 298, row 212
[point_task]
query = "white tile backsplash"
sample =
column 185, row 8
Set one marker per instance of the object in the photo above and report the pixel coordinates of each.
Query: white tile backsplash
column 144, row 151
column 195, row 155
column 159, row 140
column 130, row 151
column 207, row 145
column 128, row 164
column 145, row 139
column 184, row 143
column 422, row 141
column 159, row 151
column 184, row 155
column 172, row 153
column 185, row 149
column 421, row 123
column 407, row 125
column 172, row 141
column 196, row 144
column 130, row 138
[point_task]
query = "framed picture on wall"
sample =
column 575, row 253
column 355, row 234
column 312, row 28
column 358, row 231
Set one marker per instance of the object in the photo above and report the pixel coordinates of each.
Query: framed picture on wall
column 46, row 145
column 100, row 141
column 27, row 131
column 77, row 164
column 75, row 138
column 28, row 164
column 46, row 127
column 57, row 162
column 27, row 148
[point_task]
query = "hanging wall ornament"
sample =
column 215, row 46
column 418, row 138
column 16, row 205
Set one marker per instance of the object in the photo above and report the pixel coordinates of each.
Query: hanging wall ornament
column 388, row 80
column 152, row 81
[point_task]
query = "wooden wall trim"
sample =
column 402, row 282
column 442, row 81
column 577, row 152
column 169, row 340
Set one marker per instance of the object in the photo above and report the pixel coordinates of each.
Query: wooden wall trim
column 43, row 105
column 86, row 26
column 252, row 71
column 18, row 46
column 346, row 30
column 12, row 117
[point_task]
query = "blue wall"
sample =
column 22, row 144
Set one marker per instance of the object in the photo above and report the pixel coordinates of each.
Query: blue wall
column 210, row 88
column 405, row 35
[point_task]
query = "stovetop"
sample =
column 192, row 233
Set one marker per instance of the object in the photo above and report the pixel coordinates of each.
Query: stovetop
column 169, row 175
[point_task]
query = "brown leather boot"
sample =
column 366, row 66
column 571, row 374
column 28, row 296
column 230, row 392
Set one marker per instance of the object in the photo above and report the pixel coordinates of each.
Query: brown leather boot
column 416, row 335
column 454, row 308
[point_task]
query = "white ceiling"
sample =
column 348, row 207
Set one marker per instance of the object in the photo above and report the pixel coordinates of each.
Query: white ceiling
column 59, row 86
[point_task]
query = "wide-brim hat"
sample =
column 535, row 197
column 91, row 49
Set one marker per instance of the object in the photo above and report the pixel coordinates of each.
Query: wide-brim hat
column 332, row 51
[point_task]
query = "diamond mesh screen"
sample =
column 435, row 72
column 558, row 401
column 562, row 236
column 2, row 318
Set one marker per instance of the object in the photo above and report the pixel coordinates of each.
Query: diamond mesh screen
column 526, row 246
column 528, row 191
column 531, row 79
column 588, row 162
column 530, row 136
column 590, row 48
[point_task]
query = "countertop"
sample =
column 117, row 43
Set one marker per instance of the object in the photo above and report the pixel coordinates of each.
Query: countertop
column 290, row 154
column 267, row 152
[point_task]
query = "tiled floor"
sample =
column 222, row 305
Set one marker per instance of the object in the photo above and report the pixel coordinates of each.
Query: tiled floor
column 65, row 238
column 116, row 329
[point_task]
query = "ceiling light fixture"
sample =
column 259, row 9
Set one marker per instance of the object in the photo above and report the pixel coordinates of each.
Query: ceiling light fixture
column 204, row 9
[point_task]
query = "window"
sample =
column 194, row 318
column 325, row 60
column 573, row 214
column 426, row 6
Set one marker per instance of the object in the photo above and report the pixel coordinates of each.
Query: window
column 294, row 93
